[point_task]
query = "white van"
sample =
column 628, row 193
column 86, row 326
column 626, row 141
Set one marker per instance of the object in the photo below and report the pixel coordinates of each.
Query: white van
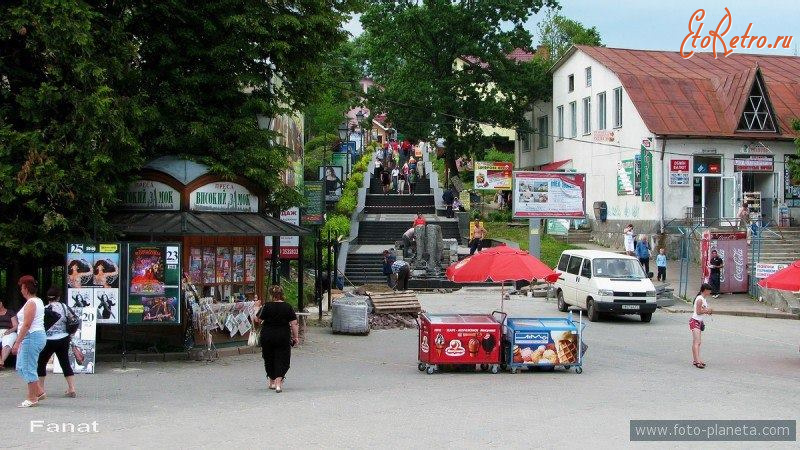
column 604, row 282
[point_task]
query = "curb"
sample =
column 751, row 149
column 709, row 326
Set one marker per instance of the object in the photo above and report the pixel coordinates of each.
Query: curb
column 764, row 315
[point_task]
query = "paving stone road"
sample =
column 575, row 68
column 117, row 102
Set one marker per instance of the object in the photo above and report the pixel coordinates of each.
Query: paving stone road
column 359, row 392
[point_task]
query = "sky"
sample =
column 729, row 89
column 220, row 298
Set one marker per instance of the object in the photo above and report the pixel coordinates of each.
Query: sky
column 662, row 25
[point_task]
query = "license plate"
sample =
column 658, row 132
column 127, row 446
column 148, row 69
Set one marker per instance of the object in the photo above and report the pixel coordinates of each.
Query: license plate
column 630, row 306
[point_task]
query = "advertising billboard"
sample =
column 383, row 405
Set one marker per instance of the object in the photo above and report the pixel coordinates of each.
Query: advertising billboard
column 493, row 175
column 555, row 195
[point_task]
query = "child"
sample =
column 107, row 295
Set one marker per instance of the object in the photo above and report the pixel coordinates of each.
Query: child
column 661, row 263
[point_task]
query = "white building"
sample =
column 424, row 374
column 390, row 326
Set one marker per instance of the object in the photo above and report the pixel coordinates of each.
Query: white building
column 716, row 129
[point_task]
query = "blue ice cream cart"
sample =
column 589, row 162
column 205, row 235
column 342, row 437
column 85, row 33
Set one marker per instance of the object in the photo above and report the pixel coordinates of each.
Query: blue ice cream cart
column 544, row 342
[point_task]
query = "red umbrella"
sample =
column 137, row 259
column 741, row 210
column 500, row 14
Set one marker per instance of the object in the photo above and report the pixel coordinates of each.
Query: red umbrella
column 787, row 279
column 501, row 264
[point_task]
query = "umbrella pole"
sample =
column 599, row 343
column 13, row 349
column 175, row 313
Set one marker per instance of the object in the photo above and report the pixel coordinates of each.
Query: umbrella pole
column 502, row 296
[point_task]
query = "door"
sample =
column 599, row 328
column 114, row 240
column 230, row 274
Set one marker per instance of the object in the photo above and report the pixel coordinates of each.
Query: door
column 712, row 199
column 571, row 279
column 583, row 287
column 729, row 198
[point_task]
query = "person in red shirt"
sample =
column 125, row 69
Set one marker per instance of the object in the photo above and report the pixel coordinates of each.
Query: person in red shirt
column 419, row 220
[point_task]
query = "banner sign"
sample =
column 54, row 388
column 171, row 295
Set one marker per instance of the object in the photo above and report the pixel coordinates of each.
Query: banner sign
column 628, row 177
column 753, row 163
column 314, row 211
column 342, row 160
column 646, row 157
column 493, row 175
column 549, row 195
column 93, row 273
column 223, row 196
column 146, row 195
column 558, row 227
column 331, row 176
column 154, row 283
column 289, row 245
column 679, row 172
column 763, row 270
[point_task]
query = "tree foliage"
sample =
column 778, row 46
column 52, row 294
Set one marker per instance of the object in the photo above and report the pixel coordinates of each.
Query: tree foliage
column 412, row 50
column 559, row 33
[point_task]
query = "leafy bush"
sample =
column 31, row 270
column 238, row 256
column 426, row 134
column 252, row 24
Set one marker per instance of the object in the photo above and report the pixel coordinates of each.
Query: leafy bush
column 350, row 185
column 358, row 178
column 496, row 155
column 475, row 214
column 500, row 216
column 338, row 225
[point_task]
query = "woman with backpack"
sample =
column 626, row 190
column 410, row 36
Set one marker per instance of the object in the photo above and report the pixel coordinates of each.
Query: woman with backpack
column 59, row 339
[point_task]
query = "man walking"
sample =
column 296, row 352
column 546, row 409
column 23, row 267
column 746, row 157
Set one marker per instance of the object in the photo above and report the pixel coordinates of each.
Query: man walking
column 715, row 264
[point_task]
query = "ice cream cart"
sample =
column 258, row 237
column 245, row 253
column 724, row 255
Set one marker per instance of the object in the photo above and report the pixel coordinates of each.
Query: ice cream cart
column 459, row 339
column 545, row 342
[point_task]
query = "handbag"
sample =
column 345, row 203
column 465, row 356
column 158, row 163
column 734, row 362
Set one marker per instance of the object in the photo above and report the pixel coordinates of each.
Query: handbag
column 80, row 358
column 73, row 321
column 254, row 340
column 50, row 317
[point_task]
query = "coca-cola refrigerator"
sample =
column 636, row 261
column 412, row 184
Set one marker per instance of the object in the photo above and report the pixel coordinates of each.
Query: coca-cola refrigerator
column 459, row 339
column 732, row 248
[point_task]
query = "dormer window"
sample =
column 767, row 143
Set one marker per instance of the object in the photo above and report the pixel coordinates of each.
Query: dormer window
column 757, row 114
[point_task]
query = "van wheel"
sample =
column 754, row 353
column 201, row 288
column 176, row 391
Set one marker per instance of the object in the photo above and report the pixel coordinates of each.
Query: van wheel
column 646, row 317
column 593, row 314
column 562, row 305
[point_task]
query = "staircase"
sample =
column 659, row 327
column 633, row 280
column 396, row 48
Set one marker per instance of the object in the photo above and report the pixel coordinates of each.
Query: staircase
column 365, row 269
column 782, row 249
column 399, row 204
column 576, row 237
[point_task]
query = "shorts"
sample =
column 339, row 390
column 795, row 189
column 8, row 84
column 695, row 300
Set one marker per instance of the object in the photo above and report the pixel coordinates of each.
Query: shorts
column 695, row 324
column 28, row 355
column 9, row 339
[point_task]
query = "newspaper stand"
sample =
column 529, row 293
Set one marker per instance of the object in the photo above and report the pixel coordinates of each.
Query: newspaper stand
column 545, row 342
column 459, row 339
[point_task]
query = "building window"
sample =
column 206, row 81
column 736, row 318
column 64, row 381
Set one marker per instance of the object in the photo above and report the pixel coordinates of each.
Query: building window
column 571, row 82
column 225, row 273
column 573, row 115
column 757, row 115
column 525, row 140
column 560, row 122
column 543, row 134
column 588, row 77
column 617, row 107
column 601, row 111
column 587, row 115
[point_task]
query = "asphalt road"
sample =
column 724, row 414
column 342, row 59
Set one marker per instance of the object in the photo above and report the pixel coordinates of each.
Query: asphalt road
column 359, row 392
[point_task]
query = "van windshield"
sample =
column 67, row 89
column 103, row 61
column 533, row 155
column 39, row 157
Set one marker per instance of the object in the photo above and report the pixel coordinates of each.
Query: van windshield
column 618, row 268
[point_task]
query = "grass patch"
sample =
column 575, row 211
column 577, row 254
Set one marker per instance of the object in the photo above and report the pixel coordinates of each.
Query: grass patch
column 551, row 247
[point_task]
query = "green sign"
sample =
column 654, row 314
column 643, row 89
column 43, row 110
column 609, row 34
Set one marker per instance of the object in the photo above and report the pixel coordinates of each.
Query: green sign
column 646, row 158
column 557, row 227
column 314, row 211
column 342, row 160
column 628, row 177
column 154, row 283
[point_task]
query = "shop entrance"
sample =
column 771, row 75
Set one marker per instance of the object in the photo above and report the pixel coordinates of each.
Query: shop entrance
column 766, row 185
column 707, row 197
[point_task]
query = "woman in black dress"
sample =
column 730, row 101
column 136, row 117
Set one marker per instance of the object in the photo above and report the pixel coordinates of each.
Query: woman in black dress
column 279, row 333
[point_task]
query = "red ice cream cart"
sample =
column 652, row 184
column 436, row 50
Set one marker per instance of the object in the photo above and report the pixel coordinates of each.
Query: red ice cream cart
column 459, row 339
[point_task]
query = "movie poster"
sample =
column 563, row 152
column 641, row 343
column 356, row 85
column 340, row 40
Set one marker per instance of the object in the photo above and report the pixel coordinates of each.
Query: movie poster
column 83, row 342
column 250, row 265
column 238, row 264
column 154, row 283
column 196, row 265
column 209, row 274
column 93, row 274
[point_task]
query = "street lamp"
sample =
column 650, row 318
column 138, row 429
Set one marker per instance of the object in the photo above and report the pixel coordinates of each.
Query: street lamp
column 360, row 118
column 264, row 122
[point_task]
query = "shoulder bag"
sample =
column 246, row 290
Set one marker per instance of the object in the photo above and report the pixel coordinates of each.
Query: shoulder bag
column 73, row 321
column 50, row 317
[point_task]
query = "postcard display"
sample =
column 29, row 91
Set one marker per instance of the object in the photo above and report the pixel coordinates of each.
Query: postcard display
column 154, row 283
column 229, row 318
column 93, row 273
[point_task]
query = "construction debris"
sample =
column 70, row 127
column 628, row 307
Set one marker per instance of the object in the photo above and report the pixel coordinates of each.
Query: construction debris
column 394, row 302
column 387, row 321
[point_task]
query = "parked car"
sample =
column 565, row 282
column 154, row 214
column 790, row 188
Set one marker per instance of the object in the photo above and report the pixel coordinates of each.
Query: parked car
column 604, row 282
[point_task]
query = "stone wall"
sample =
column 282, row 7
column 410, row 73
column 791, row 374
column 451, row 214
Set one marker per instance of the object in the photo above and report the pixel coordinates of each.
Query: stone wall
column 785, row 301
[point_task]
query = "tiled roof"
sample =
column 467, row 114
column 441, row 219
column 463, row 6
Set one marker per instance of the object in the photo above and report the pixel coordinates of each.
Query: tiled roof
column 703, row 96
column 518, row 55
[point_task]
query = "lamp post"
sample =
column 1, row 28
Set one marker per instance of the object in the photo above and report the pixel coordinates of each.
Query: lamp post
column 360, row 119
column 265, row 123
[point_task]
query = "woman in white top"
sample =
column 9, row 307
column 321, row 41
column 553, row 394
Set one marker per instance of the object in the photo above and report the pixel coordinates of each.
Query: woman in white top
column 629, row 246
column 58, row 343
column 697, row 323
column 30, row 339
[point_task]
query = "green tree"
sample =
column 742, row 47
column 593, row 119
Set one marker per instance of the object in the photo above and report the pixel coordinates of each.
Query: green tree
column 559, row 33
column 68, row 138
column 412, row 50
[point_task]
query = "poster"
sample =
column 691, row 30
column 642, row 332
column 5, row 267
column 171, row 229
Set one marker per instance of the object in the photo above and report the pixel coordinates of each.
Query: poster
column 764, row 270
column 224, row 271
column 250, row 265
column 196, row 265
column 84, row 341
column 331, row 176
column 289, row 245
column 341, row 160
column 314, row 211
column 549, row 195
column 93, row 273
column 493, row 175
column 544, row 347
column 646, row 169
column 558, row 227
column 628, row 173
column 791, row 185
column 679, row 172
column 154, row 286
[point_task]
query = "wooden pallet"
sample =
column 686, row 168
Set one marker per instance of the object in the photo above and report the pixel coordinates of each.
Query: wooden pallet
column 395, row 302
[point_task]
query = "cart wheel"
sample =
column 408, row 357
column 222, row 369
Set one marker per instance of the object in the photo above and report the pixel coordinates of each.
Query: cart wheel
column 567, row 367
column 513, row 370
column 431, row 370
column 421, row 367
column 484, row 367
column 495, row 368
column 579, row 370
column 503, row 367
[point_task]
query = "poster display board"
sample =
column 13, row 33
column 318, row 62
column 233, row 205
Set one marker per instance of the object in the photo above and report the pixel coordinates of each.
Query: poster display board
column 83, row 343
column 314, row 211
column 549, row 195
column 493, row 175
column 93, row 279
column 628, row 172
column 342, row 160
column 331, row 177
column 679, row 172
column 154, row 283
column 646, row 158
column 289, row 245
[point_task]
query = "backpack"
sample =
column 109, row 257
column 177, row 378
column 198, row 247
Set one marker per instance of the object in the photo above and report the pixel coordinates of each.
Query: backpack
column 50, row 317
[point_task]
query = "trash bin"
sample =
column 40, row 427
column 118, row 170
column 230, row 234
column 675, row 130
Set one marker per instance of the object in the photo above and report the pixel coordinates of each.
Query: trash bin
column 601, row 211
column 458, row 339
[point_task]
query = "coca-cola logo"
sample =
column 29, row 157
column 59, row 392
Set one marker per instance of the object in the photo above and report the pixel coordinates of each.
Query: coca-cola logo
column 738, row 262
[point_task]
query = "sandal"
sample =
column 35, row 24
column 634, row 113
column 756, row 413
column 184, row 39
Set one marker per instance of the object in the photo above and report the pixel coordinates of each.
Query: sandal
column 699, row 365
column 27, row 404
column 72, row 394
column 278, row 389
